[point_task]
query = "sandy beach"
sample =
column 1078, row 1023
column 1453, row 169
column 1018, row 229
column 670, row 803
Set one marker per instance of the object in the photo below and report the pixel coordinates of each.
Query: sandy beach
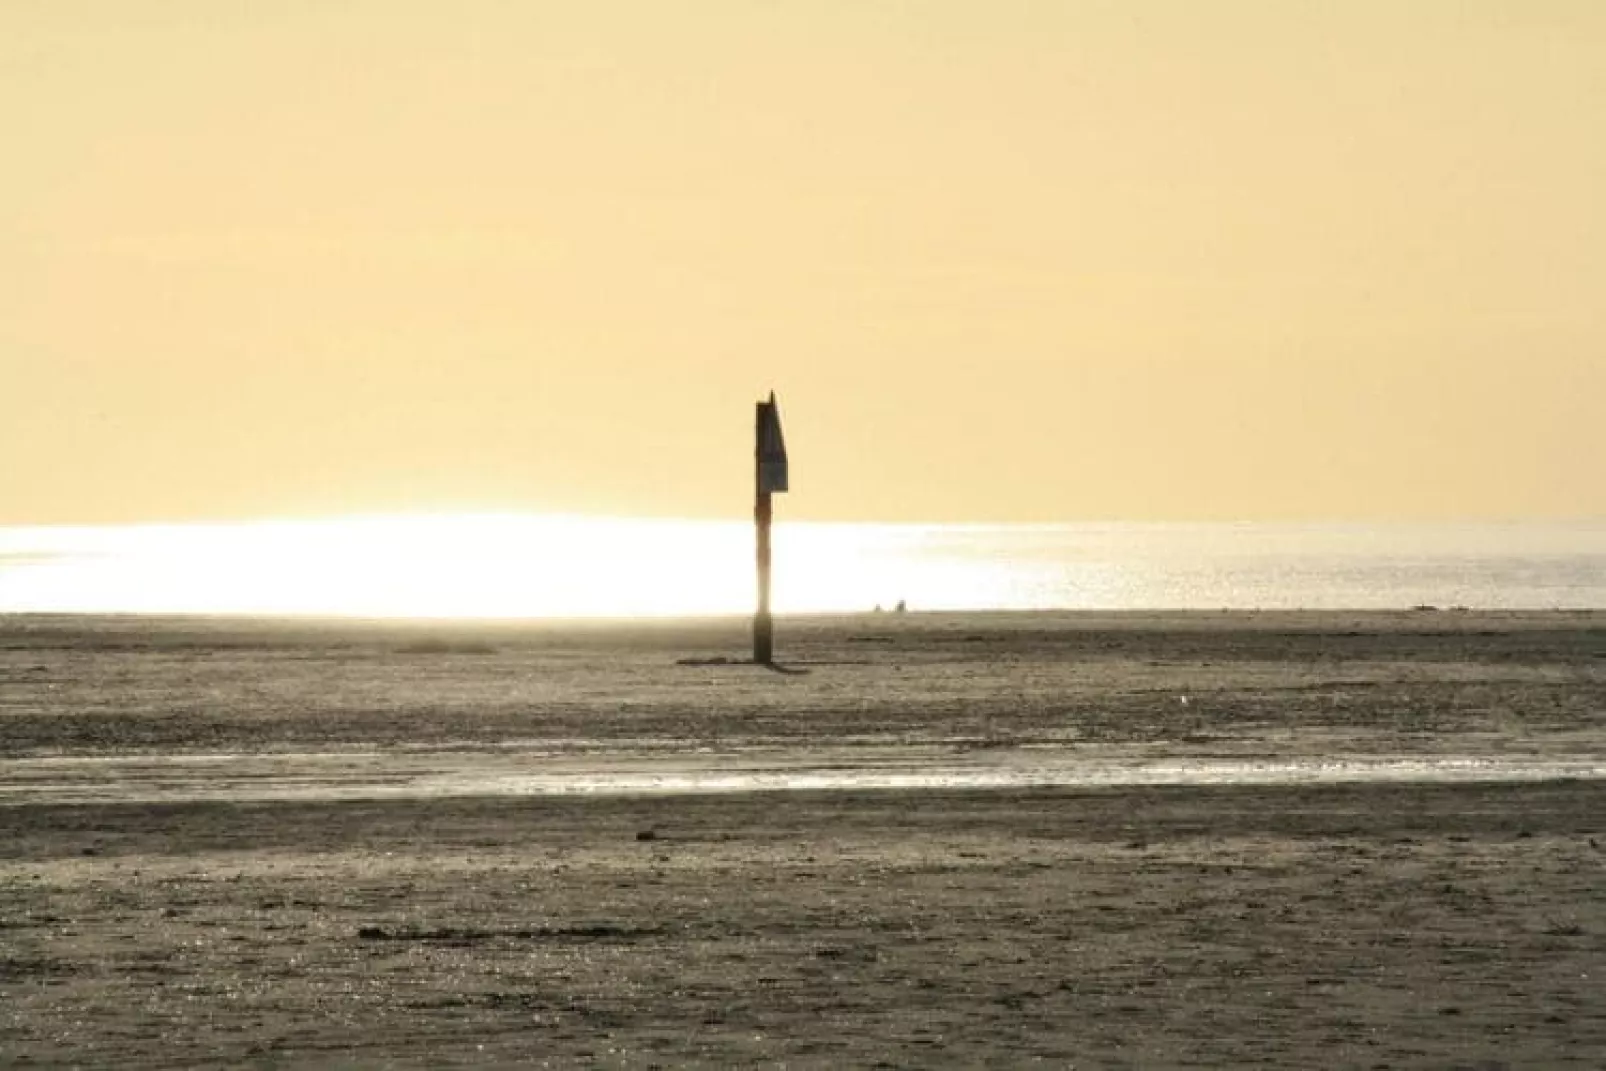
column 1207, row 839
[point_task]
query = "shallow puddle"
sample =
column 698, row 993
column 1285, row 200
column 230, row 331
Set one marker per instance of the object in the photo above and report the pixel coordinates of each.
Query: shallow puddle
column 388, row 775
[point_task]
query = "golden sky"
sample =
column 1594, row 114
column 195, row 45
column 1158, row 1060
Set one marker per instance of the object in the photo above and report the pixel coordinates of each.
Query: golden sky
column 1003, row 260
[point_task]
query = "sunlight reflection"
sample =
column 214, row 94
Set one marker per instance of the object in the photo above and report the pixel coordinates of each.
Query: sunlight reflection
column 505, row 566
column 522, row 565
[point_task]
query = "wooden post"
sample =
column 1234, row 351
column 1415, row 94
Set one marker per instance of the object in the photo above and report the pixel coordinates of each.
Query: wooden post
column 763, row 623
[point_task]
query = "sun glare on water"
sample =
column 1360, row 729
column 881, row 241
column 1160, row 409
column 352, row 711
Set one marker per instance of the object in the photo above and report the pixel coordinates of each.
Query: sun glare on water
column 543, row 566
column 479, row 566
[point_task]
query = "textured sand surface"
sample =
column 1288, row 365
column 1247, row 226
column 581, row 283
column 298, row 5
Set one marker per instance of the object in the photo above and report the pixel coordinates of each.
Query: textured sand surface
column 196, row 865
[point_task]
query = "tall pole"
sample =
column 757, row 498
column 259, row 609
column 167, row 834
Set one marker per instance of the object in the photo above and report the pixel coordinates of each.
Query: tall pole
column 763, row 623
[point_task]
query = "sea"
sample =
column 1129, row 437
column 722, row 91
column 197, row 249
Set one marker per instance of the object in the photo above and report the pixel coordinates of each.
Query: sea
column 547, row 566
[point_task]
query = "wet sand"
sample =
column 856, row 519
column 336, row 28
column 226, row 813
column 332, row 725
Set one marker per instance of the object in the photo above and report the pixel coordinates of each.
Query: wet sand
column 291, row 844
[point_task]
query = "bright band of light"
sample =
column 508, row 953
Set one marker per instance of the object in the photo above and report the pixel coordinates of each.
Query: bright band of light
column 498, row 566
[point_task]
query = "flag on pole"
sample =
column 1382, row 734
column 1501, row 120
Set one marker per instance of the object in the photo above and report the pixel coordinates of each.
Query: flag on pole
column 772, row 473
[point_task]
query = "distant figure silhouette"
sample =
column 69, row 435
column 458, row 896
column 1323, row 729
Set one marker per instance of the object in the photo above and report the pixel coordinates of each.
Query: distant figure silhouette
column 877, row 609
column 901, row 607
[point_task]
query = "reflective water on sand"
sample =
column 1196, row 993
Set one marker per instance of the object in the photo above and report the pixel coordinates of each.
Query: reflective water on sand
column 361, row 775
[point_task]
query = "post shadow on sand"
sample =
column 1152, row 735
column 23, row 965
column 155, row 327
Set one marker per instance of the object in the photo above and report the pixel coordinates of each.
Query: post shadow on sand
column 720, row 660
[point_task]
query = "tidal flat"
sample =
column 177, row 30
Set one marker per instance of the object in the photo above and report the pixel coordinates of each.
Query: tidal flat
column 1270, row 839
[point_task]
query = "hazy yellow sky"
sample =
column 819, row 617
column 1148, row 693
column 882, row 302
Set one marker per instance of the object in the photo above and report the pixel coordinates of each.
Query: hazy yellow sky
column 1002, row 260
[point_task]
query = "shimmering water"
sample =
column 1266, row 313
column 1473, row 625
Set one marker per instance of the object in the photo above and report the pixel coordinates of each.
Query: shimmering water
column 537, row 566
column 358, row 775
